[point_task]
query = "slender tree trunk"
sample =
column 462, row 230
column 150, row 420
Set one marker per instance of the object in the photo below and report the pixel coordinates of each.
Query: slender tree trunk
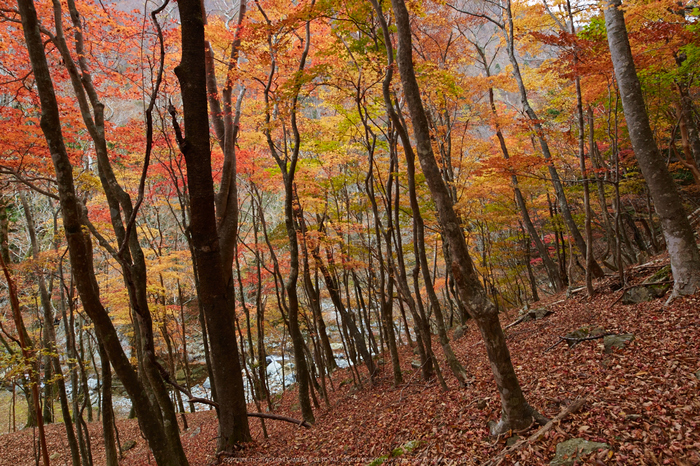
column 80, row 247
column 544, row 145
column 27, row 356
column 112, row 457
column 680, row 240
column 517, row 413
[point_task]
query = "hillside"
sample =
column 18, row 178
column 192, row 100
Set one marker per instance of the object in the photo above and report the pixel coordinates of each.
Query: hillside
column 641, row 399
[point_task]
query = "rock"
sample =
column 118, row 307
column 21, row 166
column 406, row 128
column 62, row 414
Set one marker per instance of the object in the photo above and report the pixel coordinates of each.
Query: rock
column 195, row 432
column 537, row 314
column 92, row 383
column 569, row 451
column 54, row 456
column 492, row 426
column 416, row 364
column 661, row 275
column 458, row 333
column 207, row 384
column 433, row 327
column 641, row 294
column 616, row 341
column 273, row 368
column 405, row 448
column 638, row 294
column 512, row 440
column 128, row 445
column 642, row 257
column 379, row 461
column 582, row 332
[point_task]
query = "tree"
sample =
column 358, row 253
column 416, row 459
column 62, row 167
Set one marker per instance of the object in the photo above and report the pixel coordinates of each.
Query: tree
column 516, row 412
column 216, row 294
column 166, row 448
column 680, row 239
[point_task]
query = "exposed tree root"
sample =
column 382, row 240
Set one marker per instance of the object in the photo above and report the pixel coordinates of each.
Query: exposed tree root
column 572, row 408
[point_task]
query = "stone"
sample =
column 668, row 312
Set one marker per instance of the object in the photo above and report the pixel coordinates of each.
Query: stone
column 536, row 314
column 195, row 432
column 653, row 289
column 405, row 448
column 569, row 451
column 540, row 313
column 128, row 445
column 92, row 383
column 458, row 333
column 638, row 294
column 616, row 341
column 416, row 364
column 583, row 332
column 512, row 440
column 663, row 274
column 54, row 456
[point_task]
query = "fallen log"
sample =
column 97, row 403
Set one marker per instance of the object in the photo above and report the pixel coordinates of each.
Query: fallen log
column 572, row 408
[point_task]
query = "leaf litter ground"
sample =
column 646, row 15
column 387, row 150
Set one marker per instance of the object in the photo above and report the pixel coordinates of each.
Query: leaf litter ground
column 642, row 400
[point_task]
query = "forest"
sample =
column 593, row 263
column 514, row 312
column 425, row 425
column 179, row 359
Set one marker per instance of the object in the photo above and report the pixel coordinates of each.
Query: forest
column 349, row 231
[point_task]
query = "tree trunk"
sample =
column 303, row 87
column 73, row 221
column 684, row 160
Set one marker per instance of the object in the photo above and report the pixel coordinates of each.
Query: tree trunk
column 680, row 239
column 50, row 337
column 544, row 145
column 80, row 246
column 215, row 294
column 517, row 413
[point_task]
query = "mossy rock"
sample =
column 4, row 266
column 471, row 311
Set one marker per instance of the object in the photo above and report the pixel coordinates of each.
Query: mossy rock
column 583, row 332
column 407, row 447
column 570, row 451
column 616, row 341
column 346, row 382
column 661, row 275
column 128, row 445
column 379, row 461
column 402, row 450
column 537, row 314
column 653, row 288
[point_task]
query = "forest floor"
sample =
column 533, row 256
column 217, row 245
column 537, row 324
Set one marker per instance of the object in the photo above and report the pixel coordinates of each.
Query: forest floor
column 642, row 400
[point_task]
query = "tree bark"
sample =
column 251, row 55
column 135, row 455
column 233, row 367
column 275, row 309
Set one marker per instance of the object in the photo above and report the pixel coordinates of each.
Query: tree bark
column 680, row 239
